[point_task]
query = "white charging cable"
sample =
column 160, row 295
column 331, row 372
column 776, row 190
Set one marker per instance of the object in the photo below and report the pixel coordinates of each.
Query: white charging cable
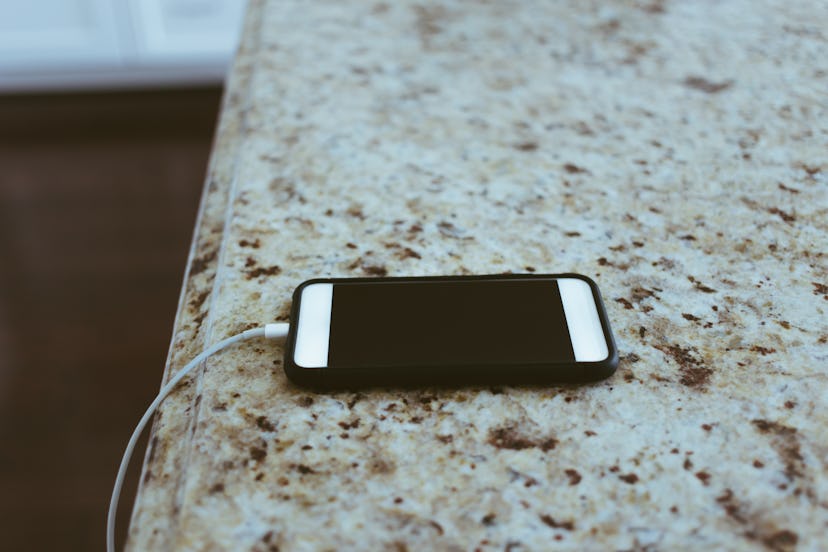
column 269, row 331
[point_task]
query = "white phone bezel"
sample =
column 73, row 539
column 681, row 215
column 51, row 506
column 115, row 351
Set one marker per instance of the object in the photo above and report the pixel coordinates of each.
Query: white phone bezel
column 314, row 326
column 580, row 309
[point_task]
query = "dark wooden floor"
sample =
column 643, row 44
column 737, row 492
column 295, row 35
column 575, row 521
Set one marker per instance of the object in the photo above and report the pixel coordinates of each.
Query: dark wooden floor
column 98, row 197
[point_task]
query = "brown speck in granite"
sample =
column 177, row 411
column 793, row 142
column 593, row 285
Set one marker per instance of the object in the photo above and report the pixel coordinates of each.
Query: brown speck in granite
column 629, row 478
column 704, row 477
column 688, row 464
column 704, row 85
column 630, row 358
column 263, row 271
column 255, row 244
column 428, row 22
column 437, row 527
column 690, row 317
column 810, row 170
column 788, row 189
column 152, row 448
column 355, row 398
column 635, row 50
column 574, row 169
column 526, row 146
column 727, row 501
column 265, row 424
column 640, row 293
column 790, row 404
column 356, row 212
column 785, row 441
column 258, row 454
column 656, row 7
column 572, row 234
column 201, row 263
column 304, row 401
column 508, row 437
column 375, row 270
column 574, row 476
column 530, row 482
column 488, row 520
column 669, row 264
column 445, row 439
column 820, row 289
column 449, row 230
column 781, row 540
column 707, row 427
column 349, row 425
column 408, row 253
column 762, row 350
column 250, row 261
column 604, row 262
column 614, row 469
column 699, row 286
column 350, row 245
column 198, row 320
column 625, row 302
column 217, row 488
column 692, row 371
column 303, row 469
column 382, row 467
column 198, row 300
column 567, row 525
column 787, row 217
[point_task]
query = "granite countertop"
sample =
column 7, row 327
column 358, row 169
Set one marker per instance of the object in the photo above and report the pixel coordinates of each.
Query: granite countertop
column 676, row 152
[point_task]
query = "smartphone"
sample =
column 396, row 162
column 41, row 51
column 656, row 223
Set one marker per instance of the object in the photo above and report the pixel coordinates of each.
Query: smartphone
column 455, row 330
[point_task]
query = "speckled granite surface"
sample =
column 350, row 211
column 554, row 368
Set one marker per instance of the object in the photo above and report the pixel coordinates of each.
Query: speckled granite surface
column 677, row 152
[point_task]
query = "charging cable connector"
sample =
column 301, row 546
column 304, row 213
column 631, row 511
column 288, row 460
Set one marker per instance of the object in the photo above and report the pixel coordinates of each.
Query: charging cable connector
column 276, row 331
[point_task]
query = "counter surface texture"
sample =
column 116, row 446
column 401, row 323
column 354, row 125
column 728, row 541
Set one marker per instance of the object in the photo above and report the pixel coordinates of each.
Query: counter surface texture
column 676, row 152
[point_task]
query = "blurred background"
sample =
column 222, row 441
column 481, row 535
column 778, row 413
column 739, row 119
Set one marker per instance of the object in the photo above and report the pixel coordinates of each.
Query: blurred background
column 107, row 113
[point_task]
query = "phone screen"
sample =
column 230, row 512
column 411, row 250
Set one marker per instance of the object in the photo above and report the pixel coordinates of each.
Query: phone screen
column 434, row 323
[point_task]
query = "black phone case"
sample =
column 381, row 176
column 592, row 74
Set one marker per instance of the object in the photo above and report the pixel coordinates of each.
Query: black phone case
column 452, row 375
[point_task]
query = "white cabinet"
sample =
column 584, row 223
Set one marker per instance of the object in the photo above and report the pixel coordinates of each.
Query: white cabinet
column 198, row 28
column 76, row 44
